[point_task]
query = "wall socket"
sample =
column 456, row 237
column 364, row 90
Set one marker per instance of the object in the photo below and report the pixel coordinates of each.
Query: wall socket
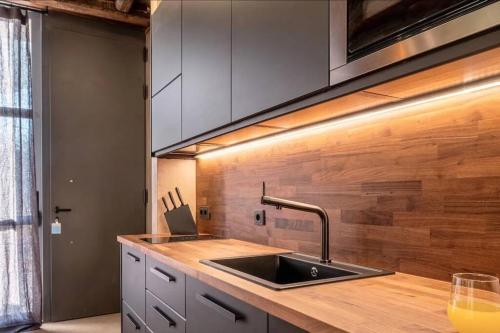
column 259, row 217
column 205, row 213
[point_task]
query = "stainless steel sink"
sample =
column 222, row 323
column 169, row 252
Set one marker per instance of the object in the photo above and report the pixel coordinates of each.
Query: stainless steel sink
column 291, row 270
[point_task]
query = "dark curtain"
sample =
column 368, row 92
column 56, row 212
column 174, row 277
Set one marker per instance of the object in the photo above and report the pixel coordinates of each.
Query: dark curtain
column 20, row 286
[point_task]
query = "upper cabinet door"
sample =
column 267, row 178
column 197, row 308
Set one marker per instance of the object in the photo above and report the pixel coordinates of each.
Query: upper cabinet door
column 206, row 66
column 280, row 52
column 166, row 116
column 165, row 43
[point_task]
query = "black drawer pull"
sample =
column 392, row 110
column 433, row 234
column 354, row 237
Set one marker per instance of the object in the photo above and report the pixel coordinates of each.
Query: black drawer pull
column 133, row 257
column 217, row 307
column 136, row 324
column 164, row 315
column 162, row 275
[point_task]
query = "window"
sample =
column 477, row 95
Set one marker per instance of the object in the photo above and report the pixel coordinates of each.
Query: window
column 20, row 289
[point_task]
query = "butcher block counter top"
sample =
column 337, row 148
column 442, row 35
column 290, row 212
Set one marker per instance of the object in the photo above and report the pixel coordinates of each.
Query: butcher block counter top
column 393, row 303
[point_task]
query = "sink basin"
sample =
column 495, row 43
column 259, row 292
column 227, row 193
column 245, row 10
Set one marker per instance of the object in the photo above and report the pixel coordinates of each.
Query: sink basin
column 291, row 270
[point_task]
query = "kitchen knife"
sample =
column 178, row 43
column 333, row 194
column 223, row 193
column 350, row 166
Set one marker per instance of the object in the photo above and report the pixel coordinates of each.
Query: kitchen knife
column 172, row 199
column 180, row 196
column 165, row 203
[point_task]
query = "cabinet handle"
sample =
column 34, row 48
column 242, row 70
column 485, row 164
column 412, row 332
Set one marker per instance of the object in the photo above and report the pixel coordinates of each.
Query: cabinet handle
column 162, row 275
column 133, row 257
column 164, row 315
column 218, row 308
column 136, row 324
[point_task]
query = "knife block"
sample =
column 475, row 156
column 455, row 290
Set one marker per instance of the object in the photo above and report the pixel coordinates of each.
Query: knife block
column 180, row 221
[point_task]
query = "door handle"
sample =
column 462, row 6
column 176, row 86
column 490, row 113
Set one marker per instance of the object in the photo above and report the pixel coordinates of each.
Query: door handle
column 218, row 308
column 58, row 210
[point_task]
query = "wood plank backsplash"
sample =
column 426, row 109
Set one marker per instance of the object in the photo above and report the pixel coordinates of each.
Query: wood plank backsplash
column 417, row 191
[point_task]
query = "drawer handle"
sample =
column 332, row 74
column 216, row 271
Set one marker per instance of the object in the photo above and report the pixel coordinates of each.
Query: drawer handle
column 218, row 308
column 136, row 324
column 162, row 275
column 134, row 258
column 164, row 315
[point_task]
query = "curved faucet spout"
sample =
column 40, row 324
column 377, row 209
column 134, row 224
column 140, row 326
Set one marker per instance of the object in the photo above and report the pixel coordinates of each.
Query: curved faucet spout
column 280, row 203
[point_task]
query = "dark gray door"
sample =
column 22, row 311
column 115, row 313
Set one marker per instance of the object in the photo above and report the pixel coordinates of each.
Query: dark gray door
column 166, row 43
column 94, row 75
column 279, row 52
column 206, row 66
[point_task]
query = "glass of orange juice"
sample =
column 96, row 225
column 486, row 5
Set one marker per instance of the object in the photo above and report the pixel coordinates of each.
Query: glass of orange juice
column 474, row 305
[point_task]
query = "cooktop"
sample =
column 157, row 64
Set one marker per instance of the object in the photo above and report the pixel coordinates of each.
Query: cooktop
column 180, row 238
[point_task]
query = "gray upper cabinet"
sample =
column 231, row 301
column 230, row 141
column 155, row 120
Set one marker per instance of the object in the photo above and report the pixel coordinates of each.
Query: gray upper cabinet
column 165, row 43
column 166, row 116
column 280, row 52
column 206, row 66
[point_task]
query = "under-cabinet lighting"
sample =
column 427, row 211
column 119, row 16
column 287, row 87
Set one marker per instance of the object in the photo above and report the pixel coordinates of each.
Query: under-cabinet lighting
column 339, row 122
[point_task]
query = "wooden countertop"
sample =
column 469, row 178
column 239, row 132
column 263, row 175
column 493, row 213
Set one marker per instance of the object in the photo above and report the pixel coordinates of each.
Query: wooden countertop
column 394, row 303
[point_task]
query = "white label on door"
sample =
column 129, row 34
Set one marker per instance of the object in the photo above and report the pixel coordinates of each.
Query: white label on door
column 56, row 228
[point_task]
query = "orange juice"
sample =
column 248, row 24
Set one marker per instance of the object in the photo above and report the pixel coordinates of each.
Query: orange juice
column 475, row 316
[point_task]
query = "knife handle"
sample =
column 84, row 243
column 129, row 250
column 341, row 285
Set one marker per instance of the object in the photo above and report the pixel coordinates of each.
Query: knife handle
column 179, row 195
column 172, row 199
column 165, row 203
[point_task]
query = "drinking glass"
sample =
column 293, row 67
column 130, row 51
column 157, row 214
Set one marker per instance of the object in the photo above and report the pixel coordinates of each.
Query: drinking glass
column 474, row 305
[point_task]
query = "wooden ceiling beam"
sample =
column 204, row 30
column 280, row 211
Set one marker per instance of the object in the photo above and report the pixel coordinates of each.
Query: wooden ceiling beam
column 123, row 5
column 80, row 9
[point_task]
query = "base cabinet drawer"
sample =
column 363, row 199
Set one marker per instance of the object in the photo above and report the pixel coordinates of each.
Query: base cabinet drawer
column 131, row 323
column 211, row 311
column 166, row 283
column 160, row 318
column 133, row 279
column 277, row 325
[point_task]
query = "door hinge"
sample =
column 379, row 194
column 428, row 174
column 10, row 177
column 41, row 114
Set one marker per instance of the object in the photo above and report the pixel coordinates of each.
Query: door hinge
column 145, row 91
column 146, row 197
column 145, row 54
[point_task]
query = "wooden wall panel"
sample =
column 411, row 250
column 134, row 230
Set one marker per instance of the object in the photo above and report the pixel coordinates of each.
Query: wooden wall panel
column 416, row 191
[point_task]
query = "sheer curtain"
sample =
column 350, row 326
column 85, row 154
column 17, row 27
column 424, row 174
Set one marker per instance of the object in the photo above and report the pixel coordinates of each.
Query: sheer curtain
column 20, row 284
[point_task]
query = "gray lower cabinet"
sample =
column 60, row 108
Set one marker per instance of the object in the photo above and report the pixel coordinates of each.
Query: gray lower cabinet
column 159, row 299
column 165, row 43
column 168, row 284
column 133, row 279
column 206, row 66
column 161, row 318
column 276, row 325
column 166, row 116
column 280, row 51
column 211, row 311
column 131, row 321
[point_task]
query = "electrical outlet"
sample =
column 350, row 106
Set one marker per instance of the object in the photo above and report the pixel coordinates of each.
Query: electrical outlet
column 205, row 213
column 259, row 217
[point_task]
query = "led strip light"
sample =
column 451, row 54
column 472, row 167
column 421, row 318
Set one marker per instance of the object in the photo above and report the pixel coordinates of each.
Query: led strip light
column 363, row 115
